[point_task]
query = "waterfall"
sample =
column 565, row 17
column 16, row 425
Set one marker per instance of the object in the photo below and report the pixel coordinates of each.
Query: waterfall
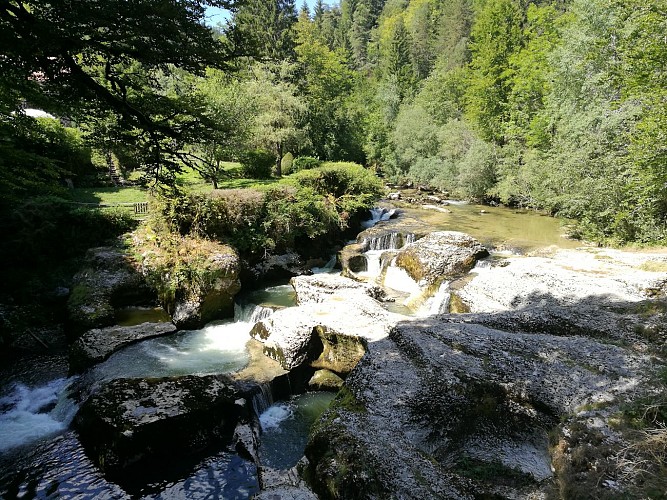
column 328, row 267
column 262, row 399
column 377, row 215
column 409, row 238
column 251, row 313
column 438, row 303
column 388, row 241
column 373, row 263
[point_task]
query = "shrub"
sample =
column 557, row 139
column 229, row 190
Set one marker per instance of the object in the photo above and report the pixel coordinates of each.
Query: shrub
column 257, row 164
column 305, row 163
column 352, row 186
column 47, row 229
column 286, row 163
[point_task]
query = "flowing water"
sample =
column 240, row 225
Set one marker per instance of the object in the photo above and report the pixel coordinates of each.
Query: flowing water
column 501, row 228
column 40, row 457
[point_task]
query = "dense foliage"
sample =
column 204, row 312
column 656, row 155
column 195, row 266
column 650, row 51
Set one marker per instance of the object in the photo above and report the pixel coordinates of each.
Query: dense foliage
column 309, row 205
column 554, row 105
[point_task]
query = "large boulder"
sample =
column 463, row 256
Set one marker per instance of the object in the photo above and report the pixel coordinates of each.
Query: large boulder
column 135, row 423
column 422, row 268
column 108, row 279
column 196, row 279
column 98, row 344
column 441, row 255
column 330, row 328
column 449, row 410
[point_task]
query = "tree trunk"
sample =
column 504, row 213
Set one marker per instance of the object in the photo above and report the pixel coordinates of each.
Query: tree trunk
column 279, row 159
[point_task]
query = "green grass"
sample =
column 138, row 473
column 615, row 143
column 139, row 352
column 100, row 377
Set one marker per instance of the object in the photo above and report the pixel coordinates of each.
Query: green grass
column 109, row 195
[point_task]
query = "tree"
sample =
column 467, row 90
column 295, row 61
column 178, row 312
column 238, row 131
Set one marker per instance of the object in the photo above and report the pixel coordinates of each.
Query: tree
column 268, row 25
column 496, row 35
column 279, row 110
column 83, row 58
column 229, row 107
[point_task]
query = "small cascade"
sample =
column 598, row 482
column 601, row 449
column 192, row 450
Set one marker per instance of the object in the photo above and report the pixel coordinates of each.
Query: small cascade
column 251, row 313
column 409, row 238
column 377, row 215
column 438, row 303
column 29, row 414
column 373, row 263
column 328, row 267
column 388, row 241
column 262, row 400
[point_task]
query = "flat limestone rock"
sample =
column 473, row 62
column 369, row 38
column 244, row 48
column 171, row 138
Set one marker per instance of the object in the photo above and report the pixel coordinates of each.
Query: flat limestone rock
column 336, row 319
column 97, row 344
column 435, row 403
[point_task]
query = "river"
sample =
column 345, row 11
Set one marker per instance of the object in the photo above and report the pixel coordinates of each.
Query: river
column 41, row 457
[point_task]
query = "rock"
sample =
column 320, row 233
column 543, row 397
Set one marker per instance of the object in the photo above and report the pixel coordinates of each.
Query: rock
column 275, row 267
column 330, row 328
column 439, row 256
column 96, row 345
column 323, row 287
column 437, row 209
column 108, row 280
column 131, row 423
column 325, row 380
column 450, row 410
column 570, row 293
column 394, row 196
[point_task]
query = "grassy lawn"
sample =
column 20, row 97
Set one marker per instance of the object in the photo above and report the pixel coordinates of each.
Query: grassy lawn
column 189, row 180
column 109, row 195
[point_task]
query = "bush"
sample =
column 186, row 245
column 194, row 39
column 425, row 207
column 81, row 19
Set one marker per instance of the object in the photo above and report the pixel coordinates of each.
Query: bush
column 352, row 186
column 286, row 163
column 305, row 163
column 48, row 229
column 257, row 164
column 314, row 203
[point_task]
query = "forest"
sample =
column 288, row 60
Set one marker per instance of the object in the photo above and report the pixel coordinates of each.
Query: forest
column 555, row 105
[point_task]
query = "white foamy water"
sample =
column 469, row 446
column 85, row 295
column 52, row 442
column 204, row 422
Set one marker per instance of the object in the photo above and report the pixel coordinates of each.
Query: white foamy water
column 437, row 304
column 373, row 264
column 32, row 413
column 216, row 348
column 328, row 267
column 398, row 279
column 377, row 215
column 275, row 415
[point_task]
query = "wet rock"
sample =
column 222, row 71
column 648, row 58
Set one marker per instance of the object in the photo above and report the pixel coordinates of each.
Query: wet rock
column 325, row 380
column 96, row 345
column 275, row 267
column 134, row 423
column 108, row 279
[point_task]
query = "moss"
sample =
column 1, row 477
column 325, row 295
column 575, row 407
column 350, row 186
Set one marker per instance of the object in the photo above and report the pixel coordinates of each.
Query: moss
column 457, row 305
column 491, row 472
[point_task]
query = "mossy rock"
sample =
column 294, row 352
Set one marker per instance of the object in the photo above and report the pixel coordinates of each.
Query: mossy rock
column 325, row 380
column 340, row 353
